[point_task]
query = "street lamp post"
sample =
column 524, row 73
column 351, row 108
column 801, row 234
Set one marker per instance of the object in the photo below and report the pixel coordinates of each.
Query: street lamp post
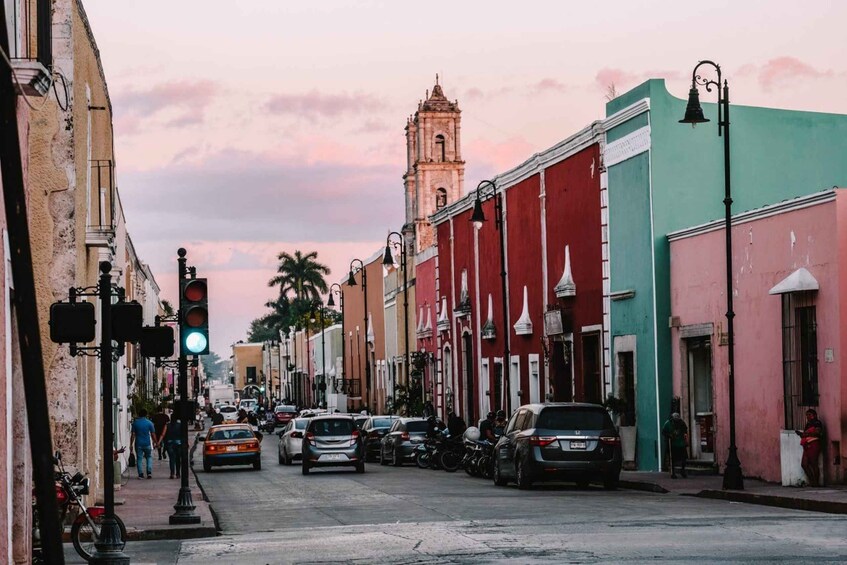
column 318, row 304
column 351, row 281
column 478, row 217
column 331, row 303
column 388, row 260
column 732, row 477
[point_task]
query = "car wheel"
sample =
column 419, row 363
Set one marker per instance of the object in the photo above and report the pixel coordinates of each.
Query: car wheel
column 257, row 464
column 610, row 482
column 382, row 460
column 522, row 476
column 305, row 468
column 360, row 467
column 394, row 461
column 207, row 467
column 281, row 459
column 498, row 477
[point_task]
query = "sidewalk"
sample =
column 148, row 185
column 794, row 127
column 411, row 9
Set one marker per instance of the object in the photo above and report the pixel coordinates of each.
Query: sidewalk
column 148, row 503
column 831, row 499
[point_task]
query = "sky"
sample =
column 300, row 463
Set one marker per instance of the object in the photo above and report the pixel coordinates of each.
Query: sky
column 244, row 129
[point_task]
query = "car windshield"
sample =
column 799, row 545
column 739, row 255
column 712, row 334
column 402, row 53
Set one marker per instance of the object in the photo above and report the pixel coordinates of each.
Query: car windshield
column 382, row 422
column 574, row 419
column 236, row 433
column 416, row 426
column 288, row 409
column 332, row 427
column 300, row 424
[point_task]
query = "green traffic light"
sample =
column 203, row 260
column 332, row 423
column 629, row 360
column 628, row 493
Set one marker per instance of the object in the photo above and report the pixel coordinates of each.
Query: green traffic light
column 195, row 342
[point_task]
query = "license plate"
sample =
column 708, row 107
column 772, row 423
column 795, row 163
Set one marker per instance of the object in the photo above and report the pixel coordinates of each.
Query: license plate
column 333, row 457
column 232, row 448
column 577, row 445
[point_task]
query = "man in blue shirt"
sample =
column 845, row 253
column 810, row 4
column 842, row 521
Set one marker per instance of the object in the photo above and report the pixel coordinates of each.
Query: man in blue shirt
column 143, row 436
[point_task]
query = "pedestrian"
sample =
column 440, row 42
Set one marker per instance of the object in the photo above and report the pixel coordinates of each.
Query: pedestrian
column 242, row 416
column 217, row 417
column 143, row 437
column 677, row 433
column 173, row 444
column 486, row 428
column 160, row 420
column 428, row 409
column 500, row 423
column 810, row 439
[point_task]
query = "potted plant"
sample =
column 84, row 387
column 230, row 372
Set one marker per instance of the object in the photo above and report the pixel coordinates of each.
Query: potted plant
column 620, row 409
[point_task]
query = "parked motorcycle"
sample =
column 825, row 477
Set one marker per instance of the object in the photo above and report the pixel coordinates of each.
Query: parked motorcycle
column 85, row 529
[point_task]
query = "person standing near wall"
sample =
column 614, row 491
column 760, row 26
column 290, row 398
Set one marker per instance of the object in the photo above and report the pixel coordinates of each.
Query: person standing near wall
column 143, row 437
column 677, row 433
column 810, row 439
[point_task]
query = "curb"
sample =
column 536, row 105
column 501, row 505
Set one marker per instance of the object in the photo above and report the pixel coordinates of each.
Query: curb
column 646, row 487
column 827, row 506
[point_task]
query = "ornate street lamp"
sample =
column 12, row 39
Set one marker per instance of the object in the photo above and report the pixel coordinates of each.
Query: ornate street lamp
column 732, row 475
column 335, row 288
column 388, row 261
column 478, row 218
column 351, row 281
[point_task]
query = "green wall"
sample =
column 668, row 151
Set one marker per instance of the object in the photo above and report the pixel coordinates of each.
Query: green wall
column 775, row 155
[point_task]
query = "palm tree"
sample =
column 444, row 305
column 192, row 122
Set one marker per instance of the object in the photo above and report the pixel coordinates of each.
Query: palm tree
column 300, row 275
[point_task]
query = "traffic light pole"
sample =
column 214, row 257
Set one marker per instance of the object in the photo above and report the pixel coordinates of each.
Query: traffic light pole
column 109, row 545
column 185, row 503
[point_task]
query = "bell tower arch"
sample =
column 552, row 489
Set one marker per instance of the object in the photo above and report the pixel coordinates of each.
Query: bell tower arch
column 435, row 172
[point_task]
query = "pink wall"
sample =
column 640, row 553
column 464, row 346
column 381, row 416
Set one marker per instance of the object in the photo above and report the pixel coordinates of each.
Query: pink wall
column 763, row 255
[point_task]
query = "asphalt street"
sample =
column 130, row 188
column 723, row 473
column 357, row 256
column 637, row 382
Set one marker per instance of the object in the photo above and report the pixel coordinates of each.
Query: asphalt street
column 409, row 515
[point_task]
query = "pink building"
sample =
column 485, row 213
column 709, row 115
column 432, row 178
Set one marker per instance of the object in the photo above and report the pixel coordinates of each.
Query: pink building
column 790, row 285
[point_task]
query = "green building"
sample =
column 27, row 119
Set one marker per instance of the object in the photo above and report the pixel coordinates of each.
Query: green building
column 664, row 176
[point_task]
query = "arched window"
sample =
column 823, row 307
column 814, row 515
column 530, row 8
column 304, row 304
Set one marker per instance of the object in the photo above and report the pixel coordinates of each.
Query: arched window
column 440, row 198
column 440, row 154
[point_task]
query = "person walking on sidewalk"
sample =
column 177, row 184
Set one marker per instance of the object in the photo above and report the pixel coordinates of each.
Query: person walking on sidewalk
column 810, row 439
column 143, row 437
column 677, row 433
column 173, row 444
column 160, row 420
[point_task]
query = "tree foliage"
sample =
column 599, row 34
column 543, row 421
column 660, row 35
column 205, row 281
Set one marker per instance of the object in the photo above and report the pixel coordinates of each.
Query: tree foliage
column 300, row 275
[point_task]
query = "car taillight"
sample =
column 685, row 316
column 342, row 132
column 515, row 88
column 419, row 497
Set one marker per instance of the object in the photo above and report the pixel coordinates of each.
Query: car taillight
column 404, row 436
column 354, row 437
column 61, row 496
column 250, row 445
column 610, row 440
column 296, row 435
column 541, row 441
column 310, row 437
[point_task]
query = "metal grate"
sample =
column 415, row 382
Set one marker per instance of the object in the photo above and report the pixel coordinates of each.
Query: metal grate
column 799, row 356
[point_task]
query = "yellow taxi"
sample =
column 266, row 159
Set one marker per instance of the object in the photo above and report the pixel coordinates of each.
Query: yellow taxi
column 231, row 444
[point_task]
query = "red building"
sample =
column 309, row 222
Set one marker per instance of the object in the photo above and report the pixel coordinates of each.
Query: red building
column 553, row 206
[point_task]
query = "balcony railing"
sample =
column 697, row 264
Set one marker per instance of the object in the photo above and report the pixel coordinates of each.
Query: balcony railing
column 100, row 228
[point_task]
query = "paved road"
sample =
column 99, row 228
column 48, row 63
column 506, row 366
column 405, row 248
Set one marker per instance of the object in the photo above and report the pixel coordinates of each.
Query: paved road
column 408, row 515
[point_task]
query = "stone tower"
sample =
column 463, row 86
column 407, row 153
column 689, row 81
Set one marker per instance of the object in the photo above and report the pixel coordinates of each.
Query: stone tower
column 435, row 173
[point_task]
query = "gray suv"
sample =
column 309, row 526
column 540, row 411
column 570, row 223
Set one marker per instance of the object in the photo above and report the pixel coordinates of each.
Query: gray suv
column 332, row 441
column 559, row 441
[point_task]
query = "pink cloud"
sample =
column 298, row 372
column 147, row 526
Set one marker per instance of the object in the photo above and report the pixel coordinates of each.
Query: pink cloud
column 314, row 104
column 546, row 85
column 785, row 69
column 179, row 103
column 500, row 155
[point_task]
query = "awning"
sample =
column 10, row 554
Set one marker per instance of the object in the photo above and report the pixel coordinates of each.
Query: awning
column 799, row 281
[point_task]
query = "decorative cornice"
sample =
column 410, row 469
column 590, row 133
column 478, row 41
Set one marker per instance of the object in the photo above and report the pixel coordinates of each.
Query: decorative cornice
column 627, row 147
column 791, row 205
column 443, row 323
column 489, row 330
column 626, row 114
column 566, row 286
column 463, row 308
column 33, row 76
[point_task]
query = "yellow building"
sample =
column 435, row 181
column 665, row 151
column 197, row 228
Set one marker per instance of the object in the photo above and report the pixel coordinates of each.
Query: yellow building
column 247, row 368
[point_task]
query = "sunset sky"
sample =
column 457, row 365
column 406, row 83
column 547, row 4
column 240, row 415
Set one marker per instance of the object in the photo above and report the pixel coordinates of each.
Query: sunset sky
column 248, row 128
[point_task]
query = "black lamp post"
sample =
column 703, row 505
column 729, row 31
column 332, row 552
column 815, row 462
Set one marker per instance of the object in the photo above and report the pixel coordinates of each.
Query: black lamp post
column 478, row 217
column 351, row 281
column 732, row 476
column 388, row 261
column 320, row 307
column 335, row 288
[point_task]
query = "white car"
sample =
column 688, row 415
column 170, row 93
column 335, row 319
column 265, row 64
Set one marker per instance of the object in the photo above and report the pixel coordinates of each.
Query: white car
column 291, row 441
column 249, row 404
column 230, row 413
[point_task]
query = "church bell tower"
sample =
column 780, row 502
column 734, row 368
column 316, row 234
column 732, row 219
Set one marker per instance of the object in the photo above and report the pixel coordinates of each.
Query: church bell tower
column 435, row 173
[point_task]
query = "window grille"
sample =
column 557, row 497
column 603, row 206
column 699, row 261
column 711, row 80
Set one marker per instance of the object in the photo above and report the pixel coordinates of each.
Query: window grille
column 799, row 356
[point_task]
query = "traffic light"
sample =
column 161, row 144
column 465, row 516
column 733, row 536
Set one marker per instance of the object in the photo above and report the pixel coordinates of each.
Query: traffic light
column 157, row 341
column 127, row 319
column 72, row 322
column 194, row 317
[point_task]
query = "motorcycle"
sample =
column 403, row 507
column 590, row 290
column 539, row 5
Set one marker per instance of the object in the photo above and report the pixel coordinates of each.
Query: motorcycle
column 85, row 529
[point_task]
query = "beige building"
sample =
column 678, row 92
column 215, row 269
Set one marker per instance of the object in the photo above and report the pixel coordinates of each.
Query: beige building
column 247, row 368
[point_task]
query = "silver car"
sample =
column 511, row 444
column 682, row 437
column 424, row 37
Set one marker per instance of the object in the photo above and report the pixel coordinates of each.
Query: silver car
column 333, row 441
column 291, row 440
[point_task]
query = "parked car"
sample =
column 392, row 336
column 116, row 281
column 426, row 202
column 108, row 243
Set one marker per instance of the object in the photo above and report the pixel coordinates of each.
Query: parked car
column 359, row 420
column 229, row 412
column 231, row 444
column 284, row 414
column 559, row 441
column 374, row 429
column 248, row 404
column 398, row 445
column 291, row 441
column 332, row 441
